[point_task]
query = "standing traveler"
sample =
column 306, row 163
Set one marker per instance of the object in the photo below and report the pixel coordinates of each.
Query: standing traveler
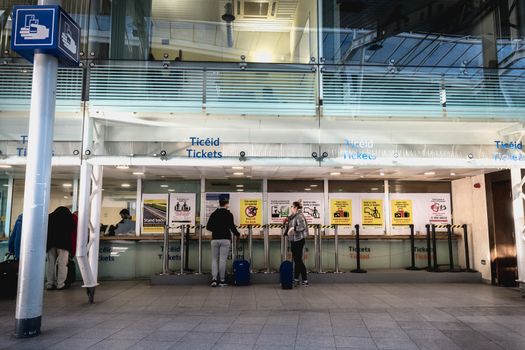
column 13, row 246
column 297, row 233
column 59, row 246
column 221, row 226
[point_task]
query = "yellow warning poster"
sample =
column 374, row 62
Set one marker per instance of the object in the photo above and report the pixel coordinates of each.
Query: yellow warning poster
column 251, row 212
column 372, row 212
column 402, row 212
column 341, row 212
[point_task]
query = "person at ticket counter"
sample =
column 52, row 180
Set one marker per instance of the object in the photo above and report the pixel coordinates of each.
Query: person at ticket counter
column 297, row 231
column 221, row 226
column 59, row 247
column 125, row 226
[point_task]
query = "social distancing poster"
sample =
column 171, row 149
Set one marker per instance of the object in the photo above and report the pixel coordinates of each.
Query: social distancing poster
column 402, row 213
column 182, row 209
column 251, row 212
column 372, row 212
column 341, row 212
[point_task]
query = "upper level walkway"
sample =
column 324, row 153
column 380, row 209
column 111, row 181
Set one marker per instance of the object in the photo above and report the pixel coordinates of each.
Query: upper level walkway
column 135, row 315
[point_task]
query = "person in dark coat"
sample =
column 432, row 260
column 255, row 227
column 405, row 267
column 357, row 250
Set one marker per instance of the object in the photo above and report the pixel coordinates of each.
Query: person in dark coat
column 59, row 246
column 15, row 238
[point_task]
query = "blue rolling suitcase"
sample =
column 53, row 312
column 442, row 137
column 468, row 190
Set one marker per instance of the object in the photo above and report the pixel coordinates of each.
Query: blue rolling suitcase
column 286, row 270
column 241, row 271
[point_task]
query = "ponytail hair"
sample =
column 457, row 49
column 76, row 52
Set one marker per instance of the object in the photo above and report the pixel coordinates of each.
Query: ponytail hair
column 298, row 204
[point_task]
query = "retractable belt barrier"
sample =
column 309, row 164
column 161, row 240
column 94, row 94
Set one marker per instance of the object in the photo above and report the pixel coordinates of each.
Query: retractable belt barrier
column 450, row 229
column 429, row 249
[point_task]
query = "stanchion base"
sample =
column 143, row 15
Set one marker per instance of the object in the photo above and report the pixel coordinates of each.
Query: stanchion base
column 413, row 268
column 358, row 271
column 338, row 272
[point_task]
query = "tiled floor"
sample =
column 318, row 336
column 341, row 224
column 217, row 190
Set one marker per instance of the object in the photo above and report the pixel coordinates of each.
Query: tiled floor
column 135, row 315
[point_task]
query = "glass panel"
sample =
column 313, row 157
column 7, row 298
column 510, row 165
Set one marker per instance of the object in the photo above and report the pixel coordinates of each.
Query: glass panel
column 419, row 187
column 231, row 185
column 117, row 195
column 295, row 186
column 204, row 30
column 441, row 34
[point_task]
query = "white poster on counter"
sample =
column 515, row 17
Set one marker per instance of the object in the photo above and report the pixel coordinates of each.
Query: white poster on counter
column 212, row 203
column 182, row 209
column 280, row 206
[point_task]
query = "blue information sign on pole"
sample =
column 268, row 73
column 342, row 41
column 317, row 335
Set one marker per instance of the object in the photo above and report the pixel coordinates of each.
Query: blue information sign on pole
column 45, row 29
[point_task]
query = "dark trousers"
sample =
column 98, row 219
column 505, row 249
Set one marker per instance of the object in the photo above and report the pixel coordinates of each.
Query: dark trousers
column 297, row 254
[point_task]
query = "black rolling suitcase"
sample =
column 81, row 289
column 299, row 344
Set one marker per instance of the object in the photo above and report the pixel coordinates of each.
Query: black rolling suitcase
column 8, row 277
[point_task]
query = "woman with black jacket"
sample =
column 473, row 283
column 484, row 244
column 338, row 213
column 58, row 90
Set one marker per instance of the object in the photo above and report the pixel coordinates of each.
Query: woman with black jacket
column 59, row 246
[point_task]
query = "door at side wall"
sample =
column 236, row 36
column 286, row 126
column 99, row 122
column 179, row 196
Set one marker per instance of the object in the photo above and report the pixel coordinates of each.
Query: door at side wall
column 504, row 249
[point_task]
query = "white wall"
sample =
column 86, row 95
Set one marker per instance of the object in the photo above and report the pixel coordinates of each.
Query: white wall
column 469, row 206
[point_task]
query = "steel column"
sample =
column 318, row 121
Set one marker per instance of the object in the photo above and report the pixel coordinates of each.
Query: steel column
column 518, row 197
column 36, row 195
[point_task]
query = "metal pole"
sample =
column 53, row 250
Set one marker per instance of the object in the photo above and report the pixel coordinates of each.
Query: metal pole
column 28, row 316
column 336, row 248
column 182, row 250
column 283, row 239
column 94, row 232
column 358, row 252
column 412, row 250
column 450, row 256
column 165, row 251
column 467, row 254
column 250, row 247
column 187, row 249
column 316, row 247
column 320, row 249
column 434, row 249
column 266, row 234
column 9, row 206
column 199, row 269
column 429, row 249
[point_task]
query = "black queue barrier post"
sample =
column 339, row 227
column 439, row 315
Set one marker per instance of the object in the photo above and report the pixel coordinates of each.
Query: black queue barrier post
column 435, row 268
column 467, row 254
column 358, row 252
column 450, row 250
column 187, row 251
column 412, row 250
column 429, row 249
column 165, row 252
column 182, row 249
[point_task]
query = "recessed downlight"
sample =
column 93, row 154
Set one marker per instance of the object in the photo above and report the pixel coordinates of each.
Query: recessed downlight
column 164, row 186
column 452, row 174
column 122, row 167
column 239, row 186
column 240, row 190
column 238, row 174
column 237, row 167
column 139, row 173
column 314, row 185
column 347, row 167
column 335, row 173
column 307, row 189
column 430, row 173
column 125, row 185
column 381, row 174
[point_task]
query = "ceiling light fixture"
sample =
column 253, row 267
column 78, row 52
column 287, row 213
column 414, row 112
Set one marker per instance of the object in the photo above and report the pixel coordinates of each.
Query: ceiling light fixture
column 240, row 190
column 122, row 167
column 5, row 166
column 452, row 174
column 381, row 174
column 239, row 186
column 164, row 186
column 238, row 174
column 138, row 173
column 347, row 167
column 125, row 185
column 237, row 167
column 335, row 173
column 430, row 173
column 314, row 185
column 307, row 189
column 67, row 185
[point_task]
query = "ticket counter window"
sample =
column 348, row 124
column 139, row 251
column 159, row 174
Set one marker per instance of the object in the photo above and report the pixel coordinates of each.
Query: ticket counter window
column 117, row 217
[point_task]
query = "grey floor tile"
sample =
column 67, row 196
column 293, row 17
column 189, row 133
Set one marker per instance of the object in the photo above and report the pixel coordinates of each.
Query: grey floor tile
column 201, row 337
column 354, row 342
column 232, row 347
column 113, row 344
column 190, row 345
column 276, row 339
column 314, row 341
column 130, row 334
column 238, row 338
column 395, row 344
column 77, row 344
column 152, row 345
column 168, row 336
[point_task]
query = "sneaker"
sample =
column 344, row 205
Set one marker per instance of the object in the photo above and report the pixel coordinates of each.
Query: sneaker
column 51, row 287
column 296, row 283
column 214, row 283
column 305, row 284
column 222, row 284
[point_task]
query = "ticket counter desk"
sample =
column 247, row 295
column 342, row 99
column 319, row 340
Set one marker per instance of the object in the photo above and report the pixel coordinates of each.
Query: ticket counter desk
column 141, row 257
